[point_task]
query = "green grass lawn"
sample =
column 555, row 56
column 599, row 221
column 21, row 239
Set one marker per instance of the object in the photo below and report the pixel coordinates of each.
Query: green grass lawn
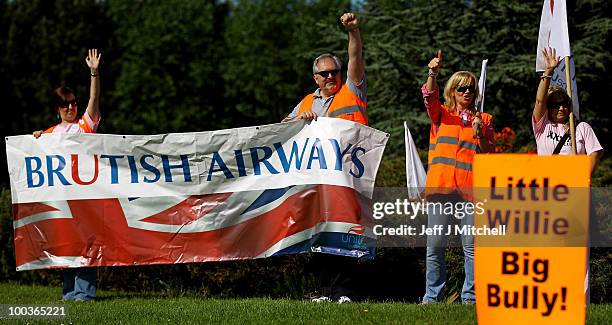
column 113, row 307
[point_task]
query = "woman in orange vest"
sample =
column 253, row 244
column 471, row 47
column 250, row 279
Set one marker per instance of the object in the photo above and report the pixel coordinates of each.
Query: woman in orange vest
column 457, row 133
column 79, row 283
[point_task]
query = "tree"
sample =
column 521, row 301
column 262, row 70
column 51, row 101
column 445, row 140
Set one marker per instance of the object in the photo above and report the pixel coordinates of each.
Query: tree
column 403, row 36
column 169, row 78
column 271, row 45
column 590, row 31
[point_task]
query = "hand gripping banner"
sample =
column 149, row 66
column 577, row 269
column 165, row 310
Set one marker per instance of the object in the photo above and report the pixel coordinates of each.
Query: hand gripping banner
column 111, row 200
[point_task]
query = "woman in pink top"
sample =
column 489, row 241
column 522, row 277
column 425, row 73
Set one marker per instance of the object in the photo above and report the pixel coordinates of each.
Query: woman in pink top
column 550, row 119
column 79, row 283
column 65, row 104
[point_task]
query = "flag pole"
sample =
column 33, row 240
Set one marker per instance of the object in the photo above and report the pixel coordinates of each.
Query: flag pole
column 569, row 93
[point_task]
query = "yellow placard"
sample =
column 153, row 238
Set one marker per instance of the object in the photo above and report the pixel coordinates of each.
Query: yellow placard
column 533, row 270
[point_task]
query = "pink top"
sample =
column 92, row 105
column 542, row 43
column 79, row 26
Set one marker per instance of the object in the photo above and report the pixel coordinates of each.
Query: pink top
column 548, row 135
column 85, row 125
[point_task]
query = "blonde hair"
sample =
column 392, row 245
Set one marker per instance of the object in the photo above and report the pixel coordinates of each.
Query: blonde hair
column 459, row 78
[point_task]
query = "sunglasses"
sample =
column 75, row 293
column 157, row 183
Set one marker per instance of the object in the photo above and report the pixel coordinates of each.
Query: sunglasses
column 325, row 74
column 463, row 89
column 557, row 105
column 66, row 104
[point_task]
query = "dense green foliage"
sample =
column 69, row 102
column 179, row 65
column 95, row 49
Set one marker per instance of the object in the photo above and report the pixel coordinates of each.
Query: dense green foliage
column 179, row 66
column 167, row 57
column 402, row 36
column 266, row 70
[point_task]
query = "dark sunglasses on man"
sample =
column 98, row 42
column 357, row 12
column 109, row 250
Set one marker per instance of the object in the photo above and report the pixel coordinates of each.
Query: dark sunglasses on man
column 325, row 74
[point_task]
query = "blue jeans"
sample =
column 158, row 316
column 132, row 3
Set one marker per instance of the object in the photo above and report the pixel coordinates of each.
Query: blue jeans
column 435, row 274
column 79, row 283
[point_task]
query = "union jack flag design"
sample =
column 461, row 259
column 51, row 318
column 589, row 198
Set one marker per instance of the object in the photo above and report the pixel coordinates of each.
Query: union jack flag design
column 187, row 229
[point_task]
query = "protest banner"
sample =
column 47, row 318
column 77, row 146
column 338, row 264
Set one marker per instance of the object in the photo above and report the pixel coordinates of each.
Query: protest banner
column 536, row 271
column 103, row 200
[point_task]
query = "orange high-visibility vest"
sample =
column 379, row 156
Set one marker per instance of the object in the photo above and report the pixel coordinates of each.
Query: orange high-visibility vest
column 344, row 105
column 451, row 153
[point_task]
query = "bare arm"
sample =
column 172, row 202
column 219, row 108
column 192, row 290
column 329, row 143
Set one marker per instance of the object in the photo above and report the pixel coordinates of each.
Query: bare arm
column 595, row 158
column 93, row 106
column 356, row 67
column 551, row 59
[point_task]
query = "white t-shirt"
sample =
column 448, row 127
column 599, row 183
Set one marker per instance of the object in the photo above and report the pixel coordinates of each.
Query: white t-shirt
column 548, row 135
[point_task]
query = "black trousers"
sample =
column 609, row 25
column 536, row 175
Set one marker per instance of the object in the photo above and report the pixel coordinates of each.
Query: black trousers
column 335, row 275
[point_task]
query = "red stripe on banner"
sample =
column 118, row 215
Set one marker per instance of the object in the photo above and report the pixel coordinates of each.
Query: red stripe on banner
column 189, row 210
column 23, row 210
column 99, row 231
column 48, row 238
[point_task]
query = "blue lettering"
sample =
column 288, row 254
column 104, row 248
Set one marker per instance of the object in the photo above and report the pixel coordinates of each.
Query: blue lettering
column 264, row 160
column 320, row 157
column 56, row 171
column 339, row 154
column 150, row 168
column 216, row 159
column 294, row 153
column 133, row 169
column 112, row 160
column 357, row 162
column 184, row 165
column 240, row 163
column 36, row 170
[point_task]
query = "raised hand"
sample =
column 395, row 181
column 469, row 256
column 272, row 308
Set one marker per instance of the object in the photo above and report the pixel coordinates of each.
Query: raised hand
column 93, row 106
column 436, row 63
column 349, row 21
column 550, row 59
column 93, row 60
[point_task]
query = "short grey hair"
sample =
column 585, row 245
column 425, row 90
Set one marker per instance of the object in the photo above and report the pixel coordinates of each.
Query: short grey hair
column 323, row 56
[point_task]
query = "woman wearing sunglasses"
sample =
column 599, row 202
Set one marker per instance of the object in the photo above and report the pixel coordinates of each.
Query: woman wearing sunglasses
column 65, row 104
column 457, row 133
column 79, row 283
column 550, row 119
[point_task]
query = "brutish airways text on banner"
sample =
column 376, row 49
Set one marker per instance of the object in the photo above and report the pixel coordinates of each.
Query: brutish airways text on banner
column 94, row 200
